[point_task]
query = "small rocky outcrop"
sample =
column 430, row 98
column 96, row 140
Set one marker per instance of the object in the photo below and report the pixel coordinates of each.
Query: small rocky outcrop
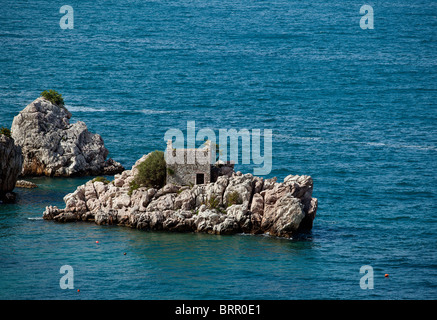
column 52, row 146
column 25, row 184
column 264, row 206
column 11, row 161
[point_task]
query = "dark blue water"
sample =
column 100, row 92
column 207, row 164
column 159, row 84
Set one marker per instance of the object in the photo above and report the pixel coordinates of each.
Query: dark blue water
column 353, row 108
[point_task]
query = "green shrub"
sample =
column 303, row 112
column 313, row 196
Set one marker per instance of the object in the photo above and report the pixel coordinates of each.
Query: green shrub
column 101, row 179
column 54, row 97
column 213, row 202
column 5, row 131
column 151, row 172
column 170, row 171
column 133, row 185
column 233, row 198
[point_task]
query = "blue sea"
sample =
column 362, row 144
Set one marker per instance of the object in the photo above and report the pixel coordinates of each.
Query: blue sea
column 353, row 108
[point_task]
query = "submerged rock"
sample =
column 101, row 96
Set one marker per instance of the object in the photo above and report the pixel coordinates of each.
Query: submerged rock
column 11, row 161
column 265, row 206
column 52, row 146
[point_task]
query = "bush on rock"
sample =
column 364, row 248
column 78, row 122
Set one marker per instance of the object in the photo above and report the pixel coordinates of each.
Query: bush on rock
column 54, row 97
column 151, row 172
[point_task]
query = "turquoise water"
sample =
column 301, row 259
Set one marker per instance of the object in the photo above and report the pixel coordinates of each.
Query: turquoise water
column 353, row 108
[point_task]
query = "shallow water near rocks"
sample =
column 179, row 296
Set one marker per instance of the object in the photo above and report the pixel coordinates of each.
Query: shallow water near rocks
column 353, row 108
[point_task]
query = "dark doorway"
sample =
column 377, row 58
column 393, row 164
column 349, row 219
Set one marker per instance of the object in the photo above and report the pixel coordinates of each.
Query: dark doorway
column 200, row 178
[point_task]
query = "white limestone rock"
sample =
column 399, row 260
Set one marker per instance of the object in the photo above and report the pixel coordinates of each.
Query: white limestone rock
column 52, row 146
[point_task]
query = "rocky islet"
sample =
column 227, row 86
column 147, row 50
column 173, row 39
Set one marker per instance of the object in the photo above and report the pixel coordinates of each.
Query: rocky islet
column 280, row 209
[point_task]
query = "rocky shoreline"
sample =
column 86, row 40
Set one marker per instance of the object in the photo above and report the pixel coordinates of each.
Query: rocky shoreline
column 265, row 206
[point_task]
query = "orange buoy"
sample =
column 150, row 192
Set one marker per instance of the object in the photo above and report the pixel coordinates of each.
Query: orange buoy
column 97, row 242
column 78, row 290
column 124, row 253
column 386, row 275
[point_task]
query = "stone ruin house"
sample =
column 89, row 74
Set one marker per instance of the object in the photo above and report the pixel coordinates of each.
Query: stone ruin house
column 187, row 167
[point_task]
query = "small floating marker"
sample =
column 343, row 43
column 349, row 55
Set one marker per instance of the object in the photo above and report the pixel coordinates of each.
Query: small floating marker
column 78, row 290
column 124, row 253
column 97, row 242
column 386, row 275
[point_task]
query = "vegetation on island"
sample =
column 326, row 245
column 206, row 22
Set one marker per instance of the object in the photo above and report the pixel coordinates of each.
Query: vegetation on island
column 152, row 172
column 5, row 131
column 213, row 202
column 101, row 179
column 54, row 97
column 233, row 198
column 170, row 171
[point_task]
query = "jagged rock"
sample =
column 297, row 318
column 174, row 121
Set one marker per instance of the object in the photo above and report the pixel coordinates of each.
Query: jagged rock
column 241, row 216
column 206, row 219
column 164, row 202
column 51, row 212
column 269, row 183
column 217, row 190
column 258, row 184
column 282, row 216
column 179, row 221
column 257, row 209
column 266, row 206
column 67, row 216
column 228, row 226
column 25, row 184
column 241, row 184
column 11, row 161
column 101, row 218
column 52, row 146
column 168, row 188
column 307, row 222
column 185, row 200
column 111, row 167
